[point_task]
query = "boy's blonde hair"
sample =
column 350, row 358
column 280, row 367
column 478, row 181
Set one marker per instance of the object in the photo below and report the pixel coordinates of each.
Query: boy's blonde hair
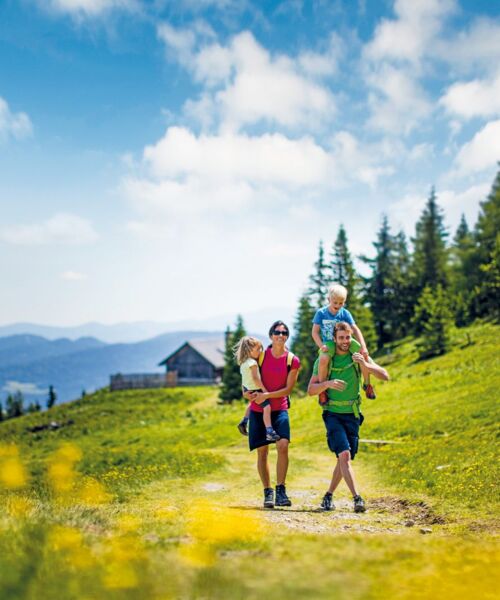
column 243, row 348
column 337, row 291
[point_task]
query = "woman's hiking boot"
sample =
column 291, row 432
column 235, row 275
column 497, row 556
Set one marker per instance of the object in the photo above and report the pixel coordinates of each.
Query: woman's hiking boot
column 268, row 498
column 271, row 435
column 369, row 391
column 281, row 498
column 359, row 504
column 327, row 502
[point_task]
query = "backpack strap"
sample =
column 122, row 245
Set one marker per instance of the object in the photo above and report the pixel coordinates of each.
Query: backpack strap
column 261, row 358
column 289, row 359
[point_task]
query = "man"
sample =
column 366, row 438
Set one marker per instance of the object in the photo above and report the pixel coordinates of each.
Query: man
column 279, row 376
column 341, row 413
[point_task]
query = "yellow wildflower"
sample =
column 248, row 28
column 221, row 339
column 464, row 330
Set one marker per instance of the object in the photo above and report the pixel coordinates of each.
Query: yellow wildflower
column 12, row 473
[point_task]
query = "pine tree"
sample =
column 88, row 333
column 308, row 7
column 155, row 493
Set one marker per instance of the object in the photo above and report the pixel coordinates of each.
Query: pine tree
column 434, row 319
column 342, row 267
column 487, row 236
column 319, row 280
column 14, row 405
column 379, row 286
column 403, row 296
column 343, row 272
column 303, row 345
column 463, row 271
column 231, row 378
column 430, row 254
column 52, row 397
column 2, row 415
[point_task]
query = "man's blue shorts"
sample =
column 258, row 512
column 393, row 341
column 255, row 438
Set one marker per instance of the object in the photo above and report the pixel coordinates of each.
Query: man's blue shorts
column 257, row 429
column 342, row 432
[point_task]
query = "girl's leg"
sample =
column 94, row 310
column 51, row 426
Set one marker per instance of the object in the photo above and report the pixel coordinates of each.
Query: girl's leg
column 267, row 415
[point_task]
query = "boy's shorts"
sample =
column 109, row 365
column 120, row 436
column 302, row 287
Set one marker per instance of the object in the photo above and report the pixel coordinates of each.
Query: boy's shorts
column 331, row 349
column 342, row 432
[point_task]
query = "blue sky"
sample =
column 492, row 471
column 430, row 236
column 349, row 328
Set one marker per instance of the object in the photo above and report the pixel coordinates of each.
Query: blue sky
column 172, row 160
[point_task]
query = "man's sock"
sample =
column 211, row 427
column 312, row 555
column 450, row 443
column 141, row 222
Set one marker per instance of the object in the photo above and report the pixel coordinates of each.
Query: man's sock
column 269, row 430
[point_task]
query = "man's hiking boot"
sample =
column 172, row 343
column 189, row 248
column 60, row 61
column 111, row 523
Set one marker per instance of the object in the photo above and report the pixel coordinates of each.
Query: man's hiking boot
column 359, row 504
column 268, row 498
column 327, row 502
column 369, row 391
column 242, row 427
column 272, row 436
column 281, row 498
column 322, row 399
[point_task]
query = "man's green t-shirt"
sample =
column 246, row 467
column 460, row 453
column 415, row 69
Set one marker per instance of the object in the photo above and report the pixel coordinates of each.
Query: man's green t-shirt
column 343, row 367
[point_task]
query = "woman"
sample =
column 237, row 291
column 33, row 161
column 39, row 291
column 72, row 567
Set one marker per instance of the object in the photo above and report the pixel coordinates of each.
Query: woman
column 279, row 374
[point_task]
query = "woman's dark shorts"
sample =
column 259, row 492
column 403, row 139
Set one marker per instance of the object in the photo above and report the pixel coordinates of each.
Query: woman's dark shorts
column 257, row 429
column 342, row 432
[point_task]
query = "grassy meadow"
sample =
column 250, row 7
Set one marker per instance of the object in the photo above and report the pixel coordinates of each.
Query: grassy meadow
column 153, row 494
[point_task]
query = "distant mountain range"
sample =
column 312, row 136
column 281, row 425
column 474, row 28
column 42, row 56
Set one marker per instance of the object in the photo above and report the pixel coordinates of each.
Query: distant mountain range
column 142, row 330
column 31, row 363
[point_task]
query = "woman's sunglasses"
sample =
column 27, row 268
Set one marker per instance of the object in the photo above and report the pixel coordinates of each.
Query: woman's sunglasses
column 277, row 332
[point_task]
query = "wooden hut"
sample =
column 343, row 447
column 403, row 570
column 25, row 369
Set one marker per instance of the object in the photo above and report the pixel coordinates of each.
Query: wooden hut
column 196, row 362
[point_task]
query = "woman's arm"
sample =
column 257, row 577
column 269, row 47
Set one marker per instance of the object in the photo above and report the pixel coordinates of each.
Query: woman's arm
column 291, row 380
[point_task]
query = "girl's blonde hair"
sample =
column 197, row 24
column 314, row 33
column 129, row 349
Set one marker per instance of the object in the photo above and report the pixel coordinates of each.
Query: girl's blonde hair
column 243, row 348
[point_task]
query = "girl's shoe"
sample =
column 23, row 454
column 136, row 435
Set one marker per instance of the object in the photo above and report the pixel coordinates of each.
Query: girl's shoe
column 323, row 399
column 242, row 427
column 272, row 436
column 369, row 391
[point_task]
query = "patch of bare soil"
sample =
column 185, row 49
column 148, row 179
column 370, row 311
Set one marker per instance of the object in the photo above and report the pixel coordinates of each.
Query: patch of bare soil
column 388, row 515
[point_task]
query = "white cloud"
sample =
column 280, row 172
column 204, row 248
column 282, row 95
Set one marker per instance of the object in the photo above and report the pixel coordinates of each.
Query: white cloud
column 270, row 158
column 477, row 47
column 477, row 98
column 86, row 8
column 62, row 228
column 397, row 101
column 409, row 36
column 73, row 276
column 482, row 152
column 16, row 125
column 244, row 84
column 11, row 387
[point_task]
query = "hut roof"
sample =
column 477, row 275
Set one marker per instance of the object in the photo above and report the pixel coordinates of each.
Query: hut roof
column 212, row 350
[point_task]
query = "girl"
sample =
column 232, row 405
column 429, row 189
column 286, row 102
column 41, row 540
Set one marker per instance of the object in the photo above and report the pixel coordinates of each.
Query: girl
column 246, row 353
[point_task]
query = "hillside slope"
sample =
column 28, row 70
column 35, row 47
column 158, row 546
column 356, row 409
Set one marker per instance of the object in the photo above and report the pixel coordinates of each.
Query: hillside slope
column 157, row 496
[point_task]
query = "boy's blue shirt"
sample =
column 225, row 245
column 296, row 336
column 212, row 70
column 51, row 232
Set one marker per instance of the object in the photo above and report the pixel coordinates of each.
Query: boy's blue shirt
column 326, row 320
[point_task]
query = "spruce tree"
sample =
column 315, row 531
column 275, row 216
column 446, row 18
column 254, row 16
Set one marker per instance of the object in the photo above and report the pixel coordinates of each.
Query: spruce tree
column 319, row 280
column 14, row 405
column 1, row 412
column 430, row 254
column 464, row 274
column 231, row 378
column 403, row 294
column 303, row 345
column 52, row 397
column 434, row 319
column 342, row 267
column 487, row 236
column 343, row 272
column 379, row 286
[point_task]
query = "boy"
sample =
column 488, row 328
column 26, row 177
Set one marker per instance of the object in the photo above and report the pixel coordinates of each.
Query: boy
column 323, row 335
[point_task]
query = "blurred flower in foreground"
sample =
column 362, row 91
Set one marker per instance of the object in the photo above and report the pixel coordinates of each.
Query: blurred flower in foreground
column 68, row 541
column 19, row 506
column 61, row 472
column 12, row 472
column 209, row 526
column 92, row 492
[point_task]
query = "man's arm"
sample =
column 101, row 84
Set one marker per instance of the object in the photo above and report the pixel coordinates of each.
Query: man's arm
column 315, row 387
column 359, row 336
column 371, row 366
